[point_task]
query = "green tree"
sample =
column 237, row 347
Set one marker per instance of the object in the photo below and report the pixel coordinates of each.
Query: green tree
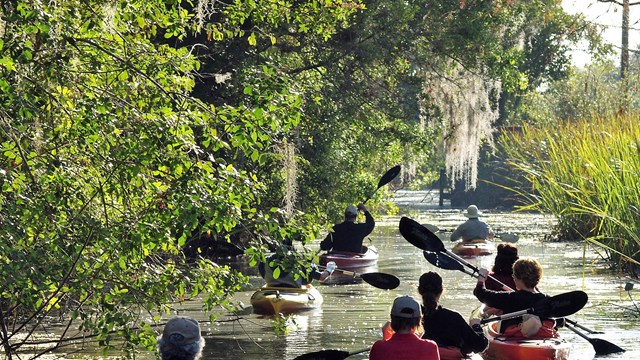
column 109, row 165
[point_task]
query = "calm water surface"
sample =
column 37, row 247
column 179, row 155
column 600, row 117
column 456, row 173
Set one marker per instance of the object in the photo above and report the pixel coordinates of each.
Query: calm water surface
column 351, row 315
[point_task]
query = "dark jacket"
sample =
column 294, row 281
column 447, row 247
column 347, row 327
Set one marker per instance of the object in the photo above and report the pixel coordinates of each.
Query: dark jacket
column 508, row 302
column 348, row 236
column 449, row 328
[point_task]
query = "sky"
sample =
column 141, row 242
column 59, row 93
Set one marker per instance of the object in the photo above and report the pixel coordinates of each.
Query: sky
column 610, row 16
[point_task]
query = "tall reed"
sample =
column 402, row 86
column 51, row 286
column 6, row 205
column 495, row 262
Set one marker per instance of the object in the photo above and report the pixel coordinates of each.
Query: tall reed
column 587, row 174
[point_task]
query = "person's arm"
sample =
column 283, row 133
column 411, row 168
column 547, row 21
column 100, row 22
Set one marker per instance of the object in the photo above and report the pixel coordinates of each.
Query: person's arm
column 473, row 338
column 496, row 299
column 369, row 220
column 490, row 234
column 327, row 243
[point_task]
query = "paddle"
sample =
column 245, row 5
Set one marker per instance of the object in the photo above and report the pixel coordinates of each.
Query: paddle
column 422, row 238
column 385, row 179
column 444, row 261
column 557, row 306
column 329, row 355
column 377, row 279
column 506, row 237
column 602, row 347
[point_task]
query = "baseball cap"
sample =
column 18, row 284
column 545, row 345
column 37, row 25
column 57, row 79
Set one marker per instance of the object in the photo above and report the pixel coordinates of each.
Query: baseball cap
column 351, row 210
column 406, row 307
column 185, row 326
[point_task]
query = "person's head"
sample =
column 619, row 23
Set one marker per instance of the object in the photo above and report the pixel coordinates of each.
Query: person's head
column 181, row 340
column 430, row 288
column 527, row 270
column 350, row 213
column 507, row 255
column 472, row 212
column 406, row 314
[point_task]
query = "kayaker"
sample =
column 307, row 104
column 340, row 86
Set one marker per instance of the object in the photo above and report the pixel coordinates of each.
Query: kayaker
column 472, row 229
column 181, row 339
column 527, row 273
column 502, row 269
column 447, row 327
column 287, row 279
column 405, row 343
column 348, row 236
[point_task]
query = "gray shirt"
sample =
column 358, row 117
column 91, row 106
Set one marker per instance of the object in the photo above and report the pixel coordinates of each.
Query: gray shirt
column 472, row 229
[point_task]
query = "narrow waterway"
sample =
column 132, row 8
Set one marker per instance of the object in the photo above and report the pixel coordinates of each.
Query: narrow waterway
column 351, row 315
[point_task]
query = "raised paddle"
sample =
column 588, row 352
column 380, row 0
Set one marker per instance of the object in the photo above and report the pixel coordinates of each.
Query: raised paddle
column 504, row 236
column 377, row 279
column 329, row 354
column 422, row 238
column 444, row 261
column 385, row 179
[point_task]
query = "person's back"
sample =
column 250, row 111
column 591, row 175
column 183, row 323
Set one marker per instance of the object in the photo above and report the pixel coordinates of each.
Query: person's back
column 348, row 236
column 446, row 327
column 405, row 344
column 472, row 229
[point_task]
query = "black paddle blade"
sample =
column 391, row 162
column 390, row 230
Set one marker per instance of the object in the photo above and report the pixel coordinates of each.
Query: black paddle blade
column 603, row 347
column 442, row 261
column 561, row 305
column 381, row 280
column 388, row 176
column 419, row 236
column 324, row 355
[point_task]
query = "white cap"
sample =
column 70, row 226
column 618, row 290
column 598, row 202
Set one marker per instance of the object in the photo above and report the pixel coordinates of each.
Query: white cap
column 351, row 210
column 406, row 307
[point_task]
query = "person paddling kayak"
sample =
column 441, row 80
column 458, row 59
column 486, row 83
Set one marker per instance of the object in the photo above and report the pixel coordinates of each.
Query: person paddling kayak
column 348, row 236
column 472, row 229
column 405, row 343
column 527, row 273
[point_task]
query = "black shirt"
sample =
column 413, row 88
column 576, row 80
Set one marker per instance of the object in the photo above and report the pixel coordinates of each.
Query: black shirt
column 348, row 236
column 449, row 328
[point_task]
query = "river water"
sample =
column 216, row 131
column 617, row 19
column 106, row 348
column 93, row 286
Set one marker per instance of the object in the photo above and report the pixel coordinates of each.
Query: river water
column 351, row 315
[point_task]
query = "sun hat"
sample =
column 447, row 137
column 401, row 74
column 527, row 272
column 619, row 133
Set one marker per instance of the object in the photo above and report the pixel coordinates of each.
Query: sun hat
column 351, row 210
column 406, row 307
column 187, row 327
column 472, row 212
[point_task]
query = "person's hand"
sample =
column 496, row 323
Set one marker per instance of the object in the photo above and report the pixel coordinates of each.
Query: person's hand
column 361, row 207
column 474, row 321
column 331, row 266
column 483, row 273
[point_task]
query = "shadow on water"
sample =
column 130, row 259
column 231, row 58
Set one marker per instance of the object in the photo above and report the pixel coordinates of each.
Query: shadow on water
column 351, row 315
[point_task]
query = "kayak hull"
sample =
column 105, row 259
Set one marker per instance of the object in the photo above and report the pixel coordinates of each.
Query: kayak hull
column 350, row 260
column 501, row 348
column 473, row 248
column 359, row 263
column 284, row 300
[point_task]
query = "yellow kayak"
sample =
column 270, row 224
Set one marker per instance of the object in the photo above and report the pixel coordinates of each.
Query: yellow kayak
column 285, row 300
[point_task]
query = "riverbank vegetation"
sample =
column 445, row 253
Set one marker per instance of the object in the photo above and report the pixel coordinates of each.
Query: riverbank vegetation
column 578, row 155
column 142, row 138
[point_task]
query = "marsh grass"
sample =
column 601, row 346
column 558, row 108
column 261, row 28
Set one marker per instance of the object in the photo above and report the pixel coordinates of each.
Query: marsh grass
column 587, row 174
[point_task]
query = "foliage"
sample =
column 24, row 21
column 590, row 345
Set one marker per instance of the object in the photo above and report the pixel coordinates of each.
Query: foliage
column 109, row 165
column 595, row 91
column 585, row 173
